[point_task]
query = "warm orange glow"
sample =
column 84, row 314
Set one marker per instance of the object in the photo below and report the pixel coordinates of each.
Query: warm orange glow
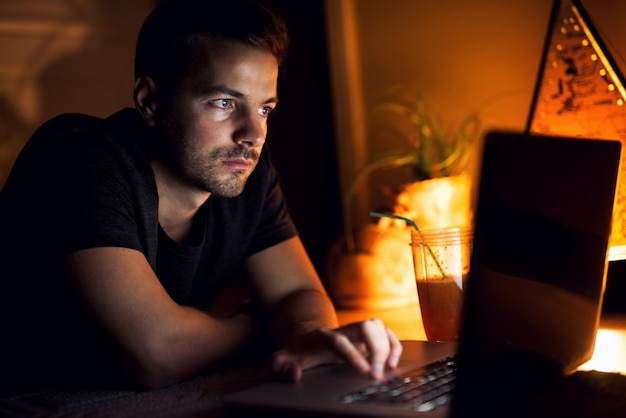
column 436, row 203
column 571, row 99
column 610, row 346
column 380, row 274
column 610, row 352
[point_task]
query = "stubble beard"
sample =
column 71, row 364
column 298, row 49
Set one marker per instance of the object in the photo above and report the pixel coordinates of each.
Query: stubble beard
column 209, row 171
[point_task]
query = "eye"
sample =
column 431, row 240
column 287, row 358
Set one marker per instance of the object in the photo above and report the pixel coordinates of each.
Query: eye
column 222, row 103
column 265, row 110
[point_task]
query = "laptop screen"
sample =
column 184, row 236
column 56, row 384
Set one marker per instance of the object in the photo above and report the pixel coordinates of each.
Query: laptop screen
column 534, row 295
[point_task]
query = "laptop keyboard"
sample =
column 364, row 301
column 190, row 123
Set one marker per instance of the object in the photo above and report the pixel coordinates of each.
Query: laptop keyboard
column 420, row 390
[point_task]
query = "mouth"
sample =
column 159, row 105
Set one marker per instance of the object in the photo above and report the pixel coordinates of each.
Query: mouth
column 238, row 164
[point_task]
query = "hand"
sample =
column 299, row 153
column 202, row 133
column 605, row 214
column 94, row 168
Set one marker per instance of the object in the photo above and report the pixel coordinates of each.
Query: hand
column 369, row 346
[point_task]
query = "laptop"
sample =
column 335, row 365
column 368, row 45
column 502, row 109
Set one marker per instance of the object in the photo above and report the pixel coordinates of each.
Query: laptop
column 533, row 297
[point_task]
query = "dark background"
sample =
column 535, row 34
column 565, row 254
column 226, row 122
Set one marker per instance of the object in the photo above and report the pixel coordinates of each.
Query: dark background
column 91, row 71
column 301, row 137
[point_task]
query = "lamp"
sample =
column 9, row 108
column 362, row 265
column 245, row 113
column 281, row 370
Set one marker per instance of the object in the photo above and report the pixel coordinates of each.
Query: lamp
column 580, row 93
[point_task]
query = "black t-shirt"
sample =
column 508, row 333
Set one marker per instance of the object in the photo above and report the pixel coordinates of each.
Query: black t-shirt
column 84, row 182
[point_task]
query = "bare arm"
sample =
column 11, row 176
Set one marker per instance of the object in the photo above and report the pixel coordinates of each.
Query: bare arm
column 303, row 319
column 288, row 285
column 161, row 341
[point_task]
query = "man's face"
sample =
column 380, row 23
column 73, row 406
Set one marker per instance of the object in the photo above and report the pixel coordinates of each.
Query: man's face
column 215, row 124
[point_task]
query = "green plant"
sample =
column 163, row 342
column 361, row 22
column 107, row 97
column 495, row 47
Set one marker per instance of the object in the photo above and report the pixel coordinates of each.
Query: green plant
column 430, row 150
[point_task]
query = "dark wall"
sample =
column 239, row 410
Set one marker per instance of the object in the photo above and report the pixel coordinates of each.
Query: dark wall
column 614, row 295
column 301, row 137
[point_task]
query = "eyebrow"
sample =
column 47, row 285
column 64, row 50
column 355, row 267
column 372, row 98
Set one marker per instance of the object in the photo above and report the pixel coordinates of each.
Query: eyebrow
column 235, row 93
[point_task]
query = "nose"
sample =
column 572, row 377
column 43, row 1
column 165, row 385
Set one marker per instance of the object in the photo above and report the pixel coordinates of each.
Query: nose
column 252, row 130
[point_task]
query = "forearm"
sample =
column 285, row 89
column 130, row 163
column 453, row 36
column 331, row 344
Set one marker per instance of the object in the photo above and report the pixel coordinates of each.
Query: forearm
column 301, row 312
column 194, row 343
column 158, row 341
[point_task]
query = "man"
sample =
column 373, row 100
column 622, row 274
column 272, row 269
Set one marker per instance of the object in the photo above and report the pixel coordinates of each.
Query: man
column 117, row 236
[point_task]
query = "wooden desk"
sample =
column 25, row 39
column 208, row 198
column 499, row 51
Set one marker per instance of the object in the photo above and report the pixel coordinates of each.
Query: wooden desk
column 406, row 322
column 201, row 396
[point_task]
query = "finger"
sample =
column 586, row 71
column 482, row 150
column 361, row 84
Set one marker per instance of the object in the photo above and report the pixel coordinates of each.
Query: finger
column 347, row 350
column 287, row 366
column 377, row 340
column 395, row 349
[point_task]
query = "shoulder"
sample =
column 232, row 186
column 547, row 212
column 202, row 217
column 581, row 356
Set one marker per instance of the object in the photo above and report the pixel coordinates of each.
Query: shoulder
column 69, row 123
column 74, row 148
column 63, row 135
column 78, row 124
column 74, row 135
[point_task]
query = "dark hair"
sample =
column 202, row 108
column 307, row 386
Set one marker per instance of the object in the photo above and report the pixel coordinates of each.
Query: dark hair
column 170, row 30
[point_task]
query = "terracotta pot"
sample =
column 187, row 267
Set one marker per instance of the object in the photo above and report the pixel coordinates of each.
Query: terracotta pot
column 378, row 276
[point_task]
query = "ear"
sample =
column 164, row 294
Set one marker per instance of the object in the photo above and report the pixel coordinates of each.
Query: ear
column 145, row 95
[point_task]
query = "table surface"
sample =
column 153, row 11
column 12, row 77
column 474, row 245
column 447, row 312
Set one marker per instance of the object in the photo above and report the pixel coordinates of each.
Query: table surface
column 406, row 322
column 202, row 396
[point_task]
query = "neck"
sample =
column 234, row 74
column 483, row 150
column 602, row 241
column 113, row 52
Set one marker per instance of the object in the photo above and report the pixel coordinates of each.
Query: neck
column 178, row 203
